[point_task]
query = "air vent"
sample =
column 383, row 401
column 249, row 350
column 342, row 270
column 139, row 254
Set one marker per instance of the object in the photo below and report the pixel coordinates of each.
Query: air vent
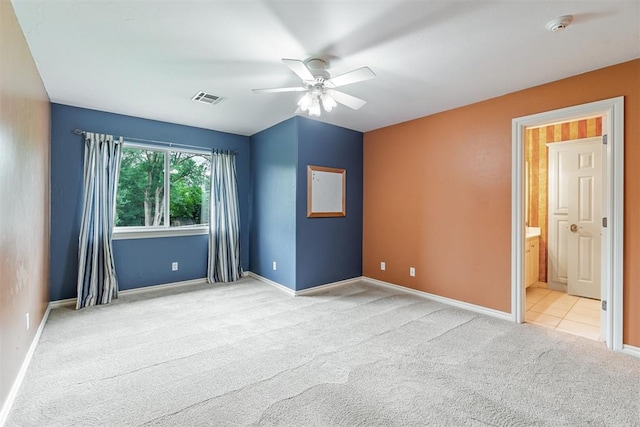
column 207, row 98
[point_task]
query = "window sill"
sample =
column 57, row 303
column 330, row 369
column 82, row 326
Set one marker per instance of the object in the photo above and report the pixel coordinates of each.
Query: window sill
column 159, row 232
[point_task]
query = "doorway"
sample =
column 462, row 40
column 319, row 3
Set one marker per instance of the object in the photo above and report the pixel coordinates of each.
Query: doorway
column 563, row 205
column 610, row 224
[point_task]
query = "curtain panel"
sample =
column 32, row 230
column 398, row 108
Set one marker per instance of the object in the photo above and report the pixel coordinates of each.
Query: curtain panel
column 224, row 263
column 97, row 281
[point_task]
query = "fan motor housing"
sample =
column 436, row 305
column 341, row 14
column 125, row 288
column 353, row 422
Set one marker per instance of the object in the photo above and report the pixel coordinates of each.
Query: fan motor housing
column 318, row 67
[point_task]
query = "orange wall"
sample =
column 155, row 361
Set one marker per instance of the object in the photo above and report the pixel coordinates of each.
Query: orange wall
column 537, row 155
column 24, row 199
column 437, row 193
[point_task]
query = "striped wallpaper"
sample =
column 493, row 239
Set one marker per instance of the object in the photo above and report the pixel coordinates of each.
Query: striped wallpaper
column 586, row 128
column 537, row 157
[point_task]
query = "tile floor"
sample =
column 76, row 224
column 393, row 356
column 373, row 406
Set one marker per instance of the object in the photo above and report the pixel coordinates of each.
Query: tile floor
column 558, row 310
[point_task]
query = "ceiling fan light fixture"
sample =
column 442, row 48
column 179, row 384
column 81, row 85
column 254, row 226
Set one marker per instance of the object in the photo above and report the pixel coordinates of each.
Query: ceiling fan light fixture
column 305, row 102
column 314, row 108
column 328, row 102
column 319, row 86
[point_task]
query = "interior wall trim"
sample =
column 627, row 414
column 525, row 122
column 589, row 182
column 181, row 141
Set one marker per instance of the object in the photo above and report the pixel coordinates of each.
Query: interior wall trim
column 13, row 392
column 448, row 301
column 307, row 291
column 272, row 283
column 326, row 286
column 153, row 288
column 631, row 350
column 62, row 303
column 72, row 301
column 444, row 300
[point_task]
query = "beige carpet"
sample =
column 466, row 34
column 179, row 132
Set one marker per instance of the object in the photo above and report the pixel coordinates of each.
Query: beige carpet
column 357, row 355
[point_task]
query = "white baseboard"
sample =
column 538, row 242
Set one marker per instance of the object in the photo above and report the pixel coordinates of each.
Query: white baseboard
column 328, row 285
column 272, row 283
column 631, row 350
column 62, row 303
column 72, row 301
column 460, row 304
column 13, row 392
column 163, row 286
column 307, row 291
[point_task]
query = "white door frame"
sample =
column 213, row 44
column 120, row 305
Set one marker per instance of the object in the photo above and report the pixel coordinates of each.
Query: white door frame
column 612, row 111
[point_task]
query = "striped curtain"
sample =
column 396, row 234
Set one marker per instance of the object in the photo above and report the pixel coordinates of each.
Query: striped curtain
column 224, row 220
column 97, row 282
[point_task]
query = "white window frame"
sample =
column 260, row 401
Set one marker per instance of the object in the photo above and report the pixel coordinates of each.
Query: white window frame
column 123, row 233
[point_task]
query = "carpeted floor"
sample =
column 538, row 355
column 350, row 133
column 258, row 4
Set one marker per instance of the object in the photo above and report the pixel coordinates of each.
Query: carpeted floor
column 357, row 355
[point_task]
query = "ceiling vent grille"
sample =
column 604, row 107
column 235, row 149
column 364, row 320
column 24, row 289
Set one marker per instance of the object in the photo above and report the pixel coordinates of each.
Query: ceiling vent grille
column 207, row 98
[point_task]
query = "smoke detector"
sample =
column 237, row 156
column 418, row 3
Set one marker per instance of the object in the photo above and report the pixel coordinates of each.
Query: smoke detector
column 560, row 23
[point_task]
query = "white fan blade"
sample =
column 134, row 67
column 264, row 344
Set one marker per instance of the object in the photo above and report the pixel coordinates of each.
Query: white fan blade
column 299, row 68
column 348, row 100
column 281, row 89
column 355, row 76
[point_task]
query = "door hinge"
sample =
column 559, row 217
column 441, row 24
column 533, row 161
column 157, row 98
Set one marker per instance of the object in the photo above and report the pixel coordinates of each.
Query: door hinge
column 604, row 222
column 604, row 139
column 604, row 305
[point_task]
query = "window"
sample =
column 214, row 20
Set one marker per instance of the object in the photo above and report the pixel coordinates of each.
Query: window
column 162, row 190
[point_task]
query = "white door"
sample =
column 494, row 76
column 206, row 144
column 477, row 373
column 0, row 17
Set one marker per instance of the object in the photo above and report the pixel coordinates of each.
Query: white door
column 575, row 201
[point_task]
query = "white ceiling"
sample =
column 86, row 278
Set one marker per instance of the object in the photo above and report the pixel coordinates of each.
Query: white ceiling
column 148, row 58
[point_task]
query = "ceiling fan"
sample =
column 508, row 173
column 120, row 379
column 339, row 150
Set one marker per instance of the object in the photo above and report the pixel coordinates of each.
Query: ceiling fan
column 320, row 87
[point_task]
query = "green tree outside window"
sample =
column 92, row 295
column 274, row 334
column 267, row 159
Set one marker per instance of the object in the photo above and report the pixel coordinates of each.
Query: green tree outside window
column 141, row 200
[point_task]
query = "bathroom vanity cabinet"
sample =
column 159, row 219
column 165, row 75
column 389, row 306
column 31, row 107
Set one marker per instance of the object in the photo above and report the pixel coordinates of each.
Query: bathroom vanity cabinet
column 531, row 263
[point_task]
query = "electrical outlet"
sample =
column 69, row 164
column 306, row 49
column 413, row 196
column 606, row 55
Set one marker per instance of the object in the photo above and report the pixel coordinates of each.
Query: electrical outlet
column 174, row 266
column 27, row 320
column 274, row 265
column 383, row 266
column 412, row 272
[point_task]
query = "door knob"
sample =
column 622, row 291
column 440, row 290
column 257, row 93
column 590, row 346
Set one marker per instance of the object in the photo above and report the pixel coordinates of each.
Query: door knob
column 573, row 228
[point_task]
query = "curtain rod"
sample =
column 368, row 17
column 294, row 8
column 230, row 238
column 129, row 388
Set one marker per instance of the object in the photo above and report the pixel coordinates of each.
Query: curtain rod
column 170, row 144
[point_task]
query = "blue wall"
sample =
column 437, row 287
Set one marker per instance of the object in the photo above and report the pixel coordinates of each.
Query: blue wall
column 272, row 184
column 144, row 262
column 329, row 249
column 139, row 262
column 309, row 251
column 273, row 216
